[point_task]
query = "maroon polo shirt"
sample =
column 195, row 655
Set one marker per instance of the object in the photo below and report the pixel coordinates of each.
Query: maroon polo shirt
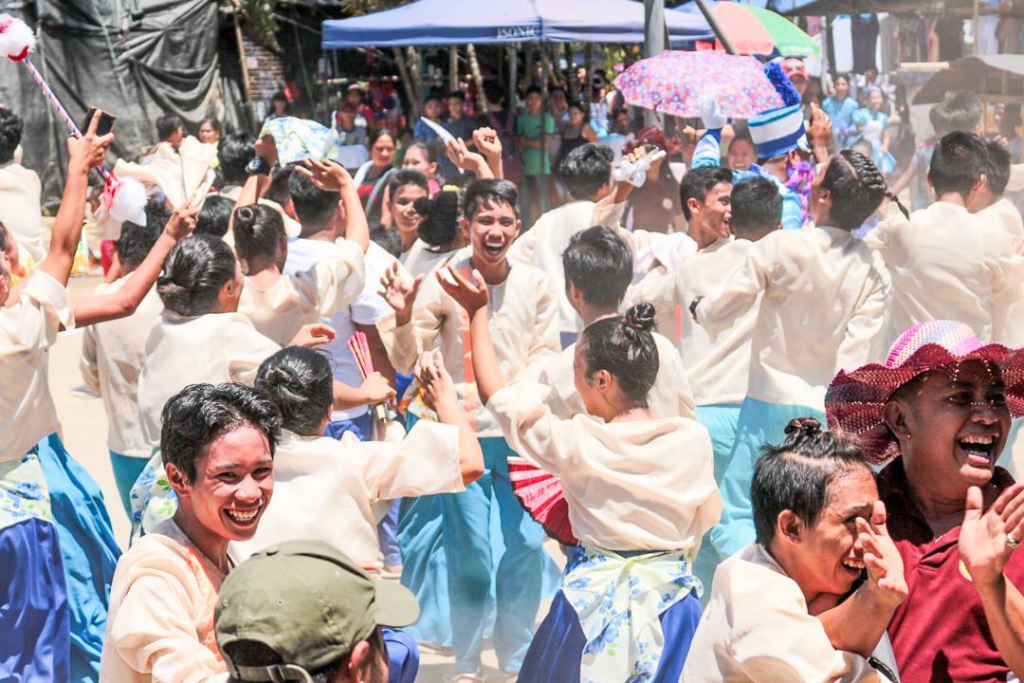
column 939, row 633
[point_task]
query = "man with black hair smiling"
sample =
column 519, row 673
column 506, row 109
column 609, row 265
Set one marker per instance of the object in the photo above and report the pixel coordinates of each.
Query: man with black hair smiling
column 217, row 445
column 586, row 173
column 20, row 189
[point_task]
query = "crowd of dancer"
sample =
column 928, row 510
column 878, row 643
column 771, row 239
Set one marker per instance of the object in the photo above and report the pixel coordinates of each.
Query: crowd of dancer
column 774, row 446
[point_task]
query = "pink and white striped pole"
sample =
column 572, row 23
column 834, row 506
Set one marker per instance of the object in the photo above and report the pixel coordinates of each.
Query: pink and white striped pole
column 124, row 199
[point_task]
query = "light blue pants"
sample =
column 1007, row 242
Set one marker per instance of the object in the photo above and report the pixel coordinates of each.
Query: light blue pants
column 126, row 470
column 520, row 572
column 721, row 420
column 760, row 423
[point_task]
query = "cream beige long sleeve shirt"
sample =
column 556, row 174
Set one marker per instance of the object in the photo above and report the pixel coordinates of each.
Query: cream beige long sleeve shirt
column 113, row 354
column 636, row 485
column 821, row 297
column 523, row 322
column 328, row 286
column 948, row 264
column 325, row 489
column 756, row 629
column 160, row 623
column 717, row 371
column 212, row 348
column 27, row 331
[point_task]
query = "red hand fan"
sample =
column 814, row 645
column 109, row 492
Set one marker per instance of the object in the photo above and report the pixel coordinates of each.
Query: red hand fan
column 540, row 493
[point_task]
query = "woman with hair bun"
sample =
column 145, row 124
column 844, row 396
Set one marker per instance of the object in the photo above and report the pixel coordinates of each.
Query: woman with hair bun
column 280, row 304
column 440, row 232
column 638, row 507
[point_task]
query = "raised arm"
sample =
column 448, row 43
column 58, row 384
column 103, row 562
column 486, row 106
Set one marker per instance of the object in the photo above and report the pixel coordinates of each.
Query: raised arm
column 488, row 142
column 121, row 304
column 472, row 296
column 440, row 396
column 84, row 154
column 985, row 550
column 328, row 175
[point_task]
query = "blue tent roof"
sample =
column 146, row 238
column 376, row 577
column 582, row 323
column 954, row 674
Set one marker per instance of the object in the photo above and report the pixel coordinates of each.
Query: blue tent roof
column 457, row 22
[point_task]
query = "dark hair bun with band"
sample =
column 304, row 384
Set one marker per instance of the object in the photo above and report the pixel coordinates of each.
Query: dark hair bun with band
column 625, row 348
column 803, row 426
column 640, row 317
column 440, row 225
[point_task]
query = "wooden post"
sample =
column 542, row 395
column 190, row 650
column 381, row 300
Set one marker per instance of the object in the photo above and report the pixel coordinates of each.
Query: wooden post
column 588, row 78
column 513, row 75
column 413, row 59
column 974, row 25
column 410, row 90
column 453, row 67
column 478, row 79
column 241, row 51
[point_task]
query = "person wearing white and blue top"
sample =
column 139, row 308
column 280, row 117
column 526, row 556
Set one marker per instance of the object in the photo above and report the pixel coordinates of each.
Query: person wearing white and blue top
column 779, row 138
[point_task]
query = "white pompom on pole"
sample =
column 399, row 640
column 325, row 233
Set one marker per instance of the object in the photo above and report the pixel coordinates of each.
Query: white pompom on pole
column 125, row 200
column 16, row 38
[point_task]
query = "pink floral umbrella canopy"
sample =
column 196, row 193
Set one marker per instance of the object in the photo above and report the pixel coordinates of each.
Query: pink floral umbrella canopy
column 674, row 81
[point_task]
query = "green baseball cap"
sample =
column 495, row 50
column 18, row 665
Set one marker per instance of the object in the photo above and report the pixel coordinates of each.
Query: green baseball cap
column 309, row 603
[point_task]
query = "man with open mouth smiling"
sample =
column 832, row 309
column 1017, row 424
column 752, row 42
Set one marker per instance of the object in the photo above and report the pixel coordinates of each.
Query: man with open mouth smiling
column 940, row 410
column 217, row 444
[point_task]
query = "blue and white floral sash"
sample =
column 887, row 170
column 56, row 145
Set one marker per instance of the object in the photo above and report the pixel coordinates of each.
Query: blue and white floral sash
column 619, row 601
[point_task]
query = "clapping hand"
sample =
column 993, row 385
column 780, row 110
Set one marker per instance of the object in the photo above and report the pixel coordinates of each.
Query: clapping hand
column 399, row 290
column 882, row 558
column 471, row 296
column 987, row 539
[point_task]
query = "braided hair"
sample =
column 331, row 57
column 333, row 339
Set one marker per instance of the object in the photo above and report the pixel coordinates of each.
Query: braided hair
column 857, row 189
column 625, row 348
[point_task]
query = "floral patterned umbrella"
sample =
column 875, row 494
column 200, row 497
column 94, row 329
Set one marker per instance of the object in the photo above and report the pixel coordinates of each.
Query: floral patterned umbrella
column 673, row 83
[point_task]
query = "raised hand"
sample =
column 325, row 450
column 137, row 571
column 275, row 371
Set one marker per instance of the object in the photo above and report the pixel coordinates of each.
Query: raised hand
column 313, row 335
column 472, row 296
column 438, row 388
column 987, row 539
column 89, row 150
column 266, row 149
column 399, row 291
column 467, row 160
column 820, row 130
column 883, row 561
column 325, row 174
column 487, row 141
column 182, row 221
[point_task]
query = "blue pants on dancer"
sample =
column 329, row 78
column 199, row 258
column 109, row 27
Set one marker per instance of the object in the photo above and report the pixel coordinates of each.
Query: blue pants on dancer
column 520, row 570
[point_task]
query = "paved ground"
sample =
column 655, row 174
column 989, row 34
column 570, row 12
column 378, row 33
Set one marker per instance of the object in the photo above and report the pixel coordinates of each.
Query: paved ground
column 84, row 431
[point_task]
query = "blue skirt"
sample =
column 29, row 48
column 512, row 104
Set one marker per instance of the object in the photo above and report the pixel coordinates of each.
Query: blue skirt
column 557, row 649
column 88, row 550
column 36, row 634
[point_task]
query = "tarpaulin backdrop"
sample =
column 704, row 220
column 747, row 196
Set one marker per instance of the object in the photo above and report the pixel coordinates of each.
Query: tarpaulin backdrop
column 137, row 59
